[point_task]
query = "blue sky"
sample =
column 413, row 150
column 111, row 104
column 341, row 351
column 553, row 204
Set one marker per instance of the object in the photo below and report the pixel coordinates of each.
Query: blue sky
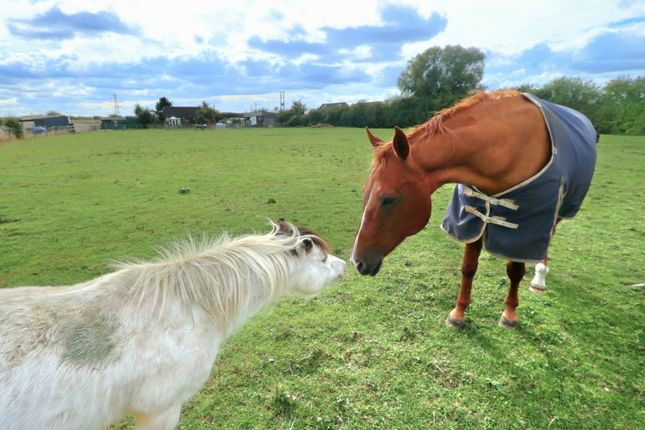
column 72, row 56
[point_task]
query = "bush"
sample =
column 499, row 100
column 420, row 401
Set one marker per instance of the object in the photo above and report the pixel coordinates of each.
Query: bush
column 15, row 127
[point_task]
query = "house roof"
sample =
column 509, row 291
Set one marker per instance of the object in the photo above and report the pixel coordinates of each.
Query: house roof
column 35, row 117
column 180, row 111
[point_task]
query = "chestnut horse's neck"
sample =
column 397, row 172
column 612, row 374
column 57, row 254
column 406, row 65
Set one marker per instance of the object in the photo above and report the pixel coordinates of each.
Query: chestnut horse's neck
column 493, row 144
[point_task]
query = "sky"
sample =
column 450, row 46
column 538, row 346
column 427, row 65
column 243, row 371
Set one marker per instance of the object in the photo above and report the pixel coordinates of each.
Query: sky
column 75, row 56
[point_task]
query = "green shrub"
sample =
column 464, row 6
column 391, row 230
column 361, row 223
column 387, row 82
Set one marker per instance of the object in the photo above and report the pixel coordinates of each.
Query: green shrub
column 15, row 126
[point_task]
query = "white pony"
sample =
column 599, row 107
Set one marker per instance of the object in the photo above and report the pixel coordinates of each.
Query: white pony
column 142, row 340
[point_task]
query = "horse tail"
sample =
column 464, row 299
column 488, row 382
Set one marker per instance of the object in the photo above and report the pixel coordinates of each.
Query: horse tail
column 597, row 133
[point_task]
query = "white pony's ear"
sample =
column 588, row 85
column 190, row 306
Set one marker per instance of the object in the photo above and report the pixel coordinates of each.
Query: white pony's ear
column 283, row 227
column 307, row 244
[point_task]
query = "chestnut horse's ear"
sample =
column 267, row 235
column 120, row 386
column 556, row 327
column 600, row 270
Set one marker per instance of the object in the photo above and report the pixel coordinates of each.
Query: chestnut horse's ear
column 400, row 143
column 375, row 141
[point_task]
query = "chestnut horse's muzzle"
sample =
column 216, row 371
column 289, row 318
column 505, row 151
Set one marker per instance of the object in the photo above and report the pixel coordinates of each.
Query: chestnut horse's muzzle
column 369, row 265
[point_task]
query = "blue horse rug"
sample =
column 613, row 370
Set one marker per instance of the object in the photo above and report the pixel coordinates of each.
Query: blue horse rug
column 517, row 224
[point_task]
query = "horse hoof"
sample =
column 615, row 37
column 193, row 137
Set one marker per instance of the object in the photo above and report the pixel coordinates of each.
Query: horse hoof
column 535, row 288
column 453, row 323
column 506, row 323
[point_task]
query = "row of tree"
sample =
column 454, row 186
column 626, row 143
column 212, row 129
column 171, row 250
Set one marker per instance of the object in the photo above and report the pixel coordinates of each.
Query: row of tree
column 439, row 77
column 616, row 108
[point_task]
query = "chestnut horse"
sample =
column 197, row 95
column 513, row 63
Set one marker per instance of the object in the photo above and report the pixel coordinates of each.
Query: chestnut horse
column 520, row 164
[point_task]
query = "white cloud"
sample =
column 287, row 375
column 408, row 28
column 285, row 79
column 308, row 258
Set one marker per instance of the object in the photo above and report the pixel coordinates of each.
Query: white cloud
column 8, row 102
column 201, row 52
column 508, row 26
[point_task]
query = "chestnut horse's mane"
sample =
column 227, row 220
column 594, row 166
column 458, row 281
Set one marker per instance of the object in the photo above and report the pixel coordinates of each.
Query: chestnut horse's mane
column 436, row 125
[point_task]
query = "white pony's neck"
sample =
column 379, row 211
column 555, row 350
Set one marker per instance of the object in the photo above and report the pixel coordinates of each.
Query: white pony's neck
column 231, row 279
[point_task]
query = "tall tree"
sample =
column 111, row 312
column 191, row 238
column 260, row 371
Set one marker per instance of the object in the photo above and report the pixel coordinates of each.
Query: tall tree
column 294, row 116
column 206, row 114
column 145, row 115
column 622, row 109
column 162, row 103
column 438, row 77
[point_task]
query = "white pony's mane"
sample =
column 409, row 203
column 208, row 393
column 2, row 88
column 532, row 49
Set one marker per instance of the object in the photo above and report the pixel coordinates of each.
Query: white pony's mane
column 221, row 275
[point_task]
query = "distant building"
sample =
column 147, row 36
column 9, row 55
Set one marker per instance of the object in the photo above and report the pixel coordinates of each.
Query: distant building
column 46, row 121
column 120, row 123
column 261, row 118
column 173, row 122
column 333, row 105
column 186, row 114
column 235, row 122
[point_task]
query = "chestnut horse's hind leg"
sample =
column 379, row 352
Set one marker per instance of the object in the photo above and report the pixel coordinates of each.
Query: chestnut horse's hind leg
column 538, row 283
column 469, row 264
column 515, row 271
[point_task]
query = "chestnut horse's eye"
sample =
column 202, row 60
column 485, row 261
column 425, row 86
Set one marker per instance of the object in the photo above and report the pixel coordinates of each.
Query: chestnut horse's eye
column 388, row 201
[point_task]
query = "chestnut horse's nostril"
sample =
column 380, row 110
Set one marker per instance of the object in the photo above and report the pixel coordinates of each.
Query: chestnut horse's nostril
column 369, row 267
column 359, row 266
column 376, row 268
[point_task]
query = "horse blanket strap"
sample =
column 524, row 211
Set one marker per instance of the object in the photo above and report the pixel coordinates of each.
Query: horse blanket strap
column 498, row 220
column 492, row 200
column 517, row 224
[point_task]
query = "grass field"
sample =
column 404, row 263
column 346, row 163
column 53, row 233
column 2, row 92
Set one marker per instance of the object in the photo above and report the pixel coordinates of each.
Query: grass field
column 369, row 353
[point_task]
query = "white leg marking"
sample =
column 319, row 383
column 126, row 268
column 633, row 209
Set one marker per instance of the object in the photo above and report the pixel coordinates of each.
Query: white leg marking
column 538, row 284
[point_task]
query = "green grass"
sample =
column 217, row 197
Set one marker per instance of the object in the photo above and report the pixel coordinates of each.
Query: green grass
column 369, row 352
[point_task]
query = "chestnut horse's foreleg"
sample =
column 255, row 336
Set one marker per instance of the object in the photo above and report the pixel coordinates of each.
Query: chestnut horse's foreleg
column 538, row 283
column 468, row 269
column 515, row 271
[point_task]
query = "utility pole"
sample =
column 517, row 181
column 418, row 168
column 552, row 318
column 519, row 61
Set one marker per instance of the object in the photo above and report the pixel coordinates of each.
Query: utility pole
column 117, row 111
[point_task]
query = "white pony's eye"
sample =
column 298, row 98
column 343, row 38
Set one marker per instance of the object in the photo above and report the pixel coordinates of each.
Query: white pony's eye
column 324, row 260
